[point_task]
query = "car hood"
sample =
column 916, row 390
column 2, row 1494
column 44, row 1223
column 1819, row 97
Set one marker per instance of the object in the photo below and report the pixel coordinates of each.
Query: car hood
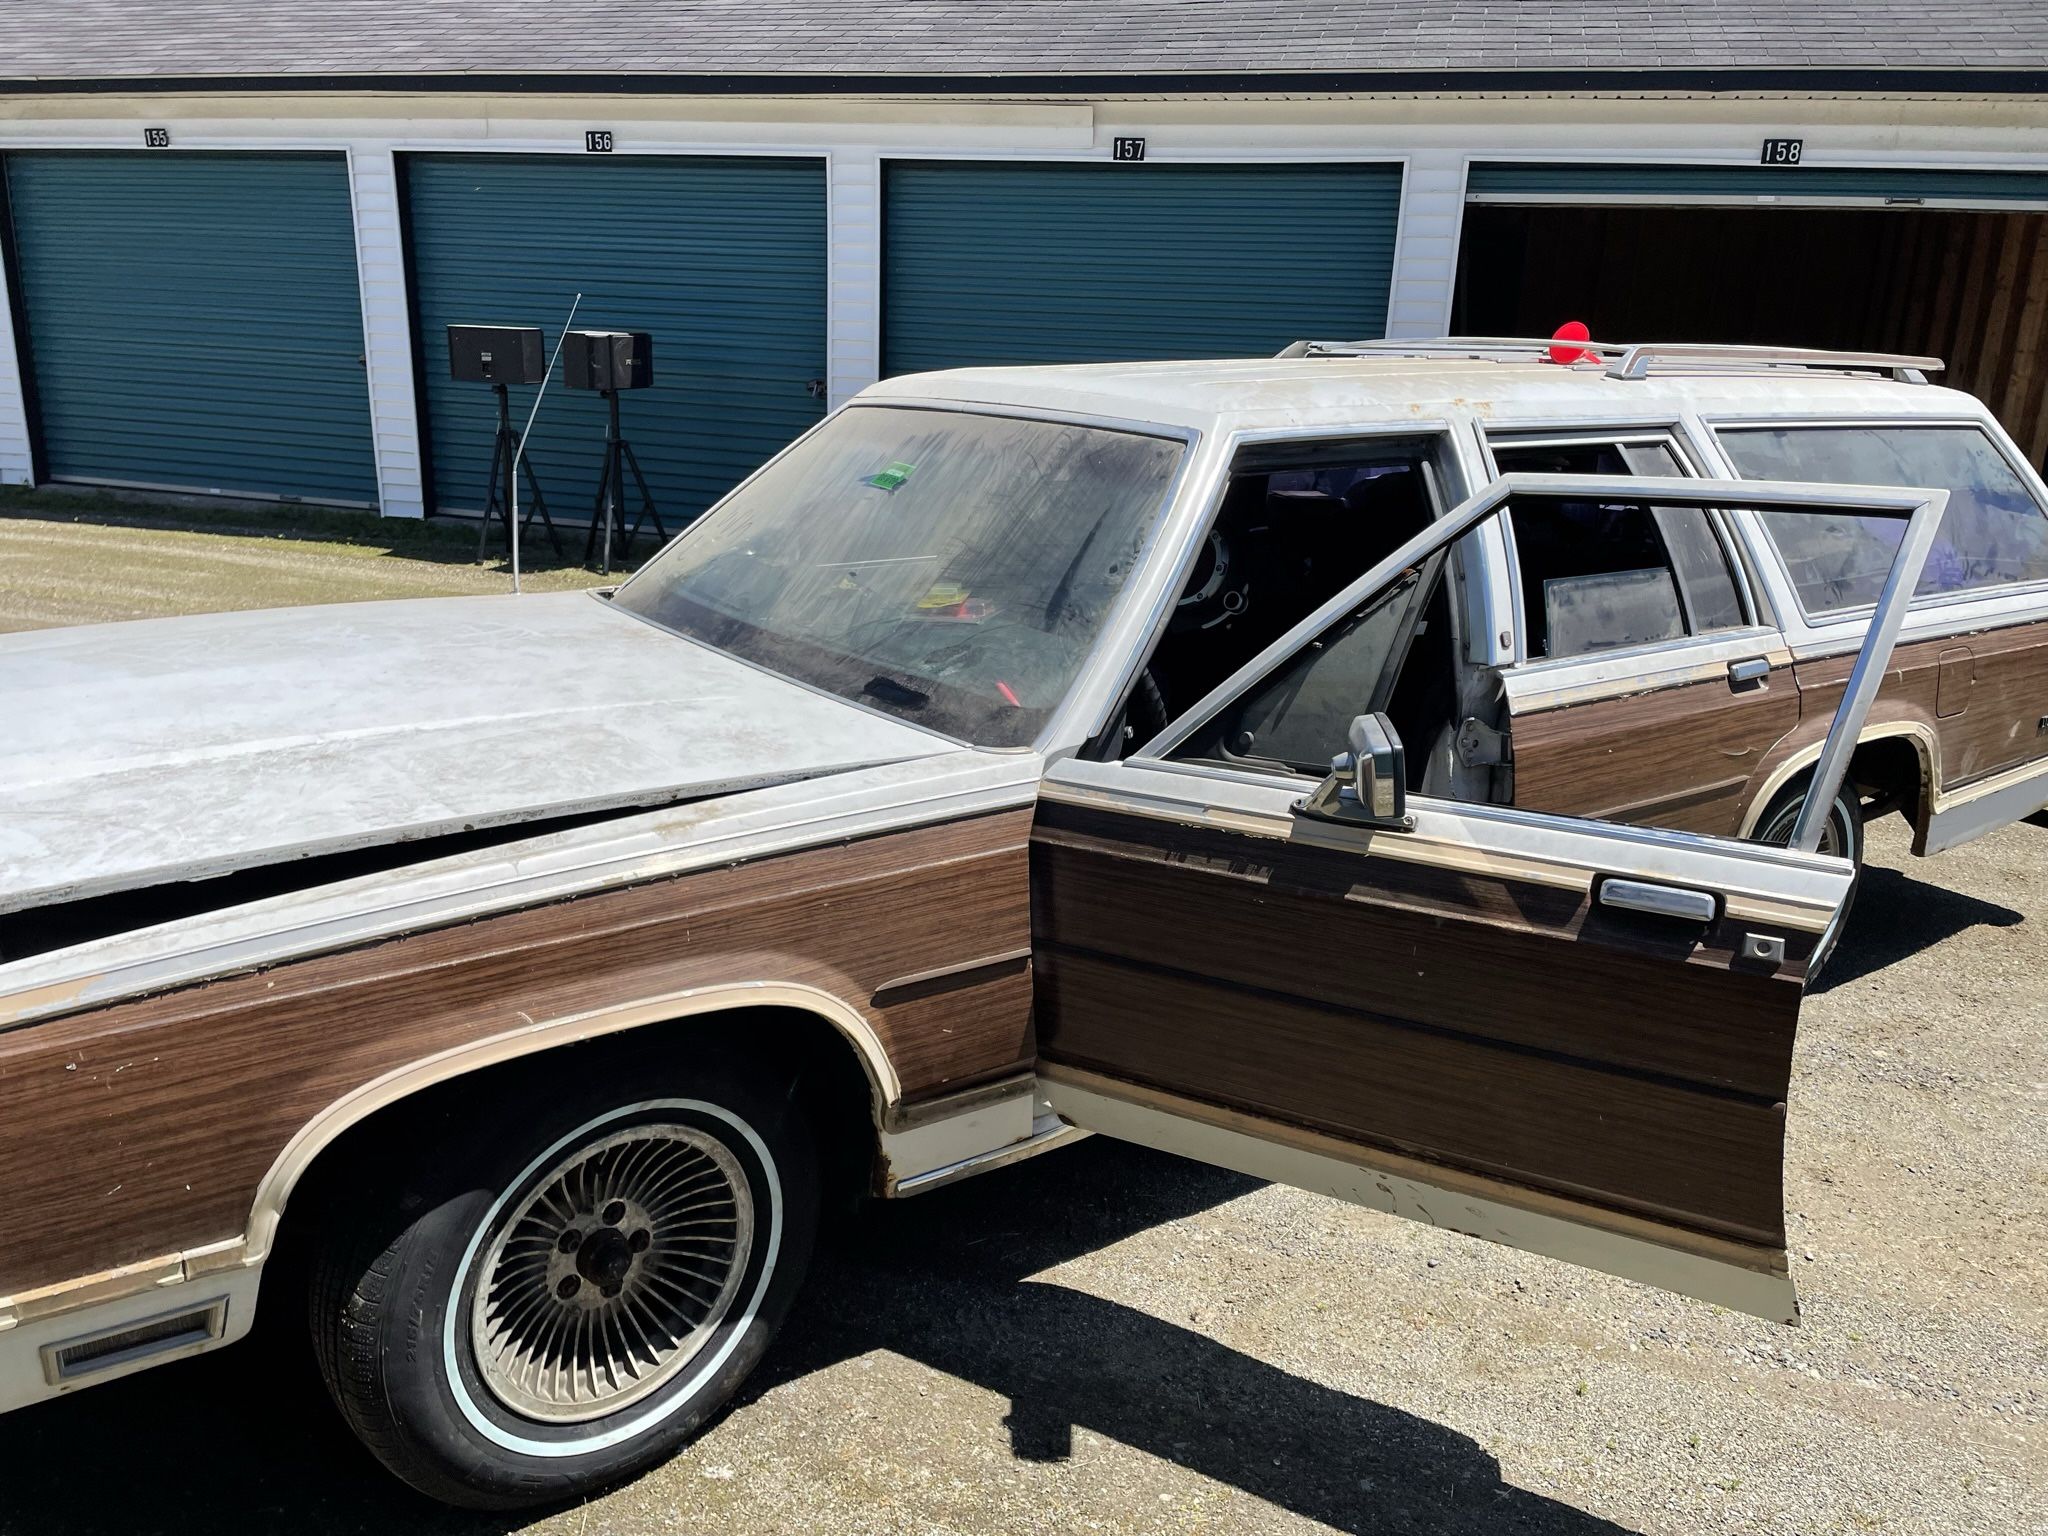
column 179, row 749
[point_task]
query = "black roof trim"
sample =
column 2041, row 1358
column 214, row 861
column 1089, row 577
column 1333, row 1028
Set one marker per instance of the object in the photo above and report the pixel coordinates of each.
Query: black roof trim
column 1929, row 82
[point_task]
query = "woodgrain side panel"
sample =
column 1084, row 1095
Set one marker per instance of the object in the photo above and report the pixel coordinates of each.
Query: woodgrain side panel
column 1683, row 756
column 1513, row 1031
column 1715, row 1024
column 144, row 1127
column 1987, row 721
column 1697, row 757
column 1706, row 1161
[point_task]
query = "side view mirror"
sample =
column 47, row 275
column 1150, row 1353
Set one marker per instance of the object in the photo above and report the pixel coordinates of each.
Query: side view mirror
column 1368, row 785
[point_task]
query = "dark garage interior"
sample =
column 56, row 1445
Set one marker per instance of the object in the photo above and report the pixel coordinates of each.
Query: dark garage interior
column 1968, row 287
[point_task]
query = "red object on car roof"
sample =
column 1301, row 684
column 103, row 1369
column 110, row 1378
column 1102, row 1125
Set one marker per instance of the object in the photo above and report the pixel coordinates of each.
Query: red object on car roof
column 1572, row 330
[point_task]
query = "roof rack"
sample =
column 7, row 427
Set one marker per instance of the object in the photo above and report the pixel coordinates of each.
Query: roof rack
column 1638, row 361
column 1447, row 346
column 1634, row 361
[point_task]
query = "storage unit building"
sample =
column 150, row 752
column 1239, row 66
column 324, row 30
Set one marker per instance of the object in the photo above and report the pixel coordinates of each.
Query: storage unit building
column 193, row 322
column 234, row 247
column 1941, row 261
column 1019, row 262
column 720, row 259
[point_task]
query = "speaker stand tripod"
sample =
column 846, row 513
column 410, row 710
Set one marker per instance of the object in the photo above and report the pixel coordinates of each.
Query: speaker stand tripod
column 608, row 511
column 498, row 500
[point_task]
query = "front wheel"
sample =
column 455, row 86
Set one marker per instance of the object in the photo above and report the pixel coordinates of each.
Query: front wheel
column 561, row 1298
column 1841, row 836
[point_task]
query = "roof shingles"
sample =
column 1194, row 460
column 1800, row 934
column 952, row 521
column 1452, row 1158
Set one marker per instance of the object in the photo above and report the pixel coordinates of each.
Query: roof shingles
column 87, row 40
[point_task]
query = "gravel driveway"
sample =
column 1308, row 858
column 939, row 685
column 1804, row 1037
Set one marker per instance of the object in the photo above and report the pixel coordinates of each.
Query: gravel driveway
column 1112, row 1340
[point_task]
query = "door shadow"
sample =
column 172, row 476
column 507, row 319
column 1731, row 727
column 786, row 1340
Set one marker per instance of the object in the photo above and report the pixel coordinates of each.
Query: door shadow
column 1894, row 916
column 1067, row 1360
column 246, row 1442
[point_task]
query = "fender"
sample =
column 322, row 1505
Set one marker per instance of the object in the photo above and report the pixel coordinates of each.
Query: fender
column 1925, row 746
column 402, row 1083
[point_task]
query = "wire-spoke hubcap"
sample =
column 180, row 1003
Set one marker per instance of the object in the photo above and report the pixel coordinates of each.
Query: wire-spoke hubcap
column 1832, row 839
column 609, row 1278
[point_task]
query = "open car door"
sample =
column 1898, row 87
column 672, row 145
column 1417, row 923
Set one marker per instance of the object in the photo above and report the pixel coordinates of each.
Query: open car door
column 1569, row 1036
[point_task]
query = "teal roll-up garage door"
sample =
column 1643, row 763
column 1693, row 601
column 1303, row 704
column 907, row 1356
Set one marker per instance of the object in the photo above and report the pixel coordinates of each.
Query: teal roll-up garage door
column 990, row 262
column 721, row 260
column 194, row 321
column 1739, row 185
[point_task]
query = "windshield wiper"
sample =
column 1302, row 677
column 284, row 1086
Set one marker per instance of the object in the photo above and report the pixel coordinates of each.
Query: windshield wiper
column 890, row 691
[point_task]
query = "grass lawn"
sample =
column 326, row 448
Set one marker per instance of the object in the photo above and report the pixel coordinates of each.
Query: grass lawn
column 80, row 558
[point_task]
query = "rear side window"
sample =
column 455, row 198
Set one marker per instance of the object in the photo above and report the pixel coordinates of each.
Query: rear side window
column 1994, row 533
column 1599, row 577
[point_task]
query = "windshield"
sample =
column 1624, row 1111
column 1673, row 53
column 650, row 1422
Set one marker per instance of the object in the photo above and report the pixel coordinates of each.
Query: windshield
column 950, row 568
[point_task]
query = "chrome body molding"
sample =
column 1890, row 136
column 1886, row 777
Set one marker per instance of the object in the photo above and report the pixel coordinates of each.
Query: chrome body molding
column 1048, row 1131
column 1954, row 816
column 947, row 1139
column 1716, row 1273
column 1546, row 685
column 1496, row 841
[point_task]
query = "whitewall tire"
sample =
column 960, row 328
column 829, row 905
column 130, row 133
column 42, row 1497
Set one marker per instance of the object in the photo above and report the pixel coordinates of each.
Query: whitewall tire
column 561, row 1296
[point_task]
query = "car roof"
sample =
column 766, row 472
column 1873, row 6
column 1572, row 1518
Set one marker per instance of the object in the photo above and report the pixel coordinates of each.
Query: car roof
column 1261, row 394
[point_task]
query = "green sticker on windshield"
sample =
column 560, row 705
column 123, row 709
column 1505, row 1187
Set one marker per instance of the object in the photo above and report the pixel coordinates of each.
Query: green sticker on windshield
column 890, row 478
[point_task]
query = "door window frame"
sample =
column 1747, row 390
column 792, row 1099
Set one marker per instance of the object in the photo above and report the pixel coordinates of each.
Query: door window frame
column 1103, row 689
column 1592, row 435
column 1920, row 509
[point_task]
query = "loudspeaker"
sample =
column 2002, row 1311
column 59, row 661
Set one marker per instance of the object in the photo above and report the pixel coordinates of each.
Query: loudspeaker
column 496, row 354
column 608, row 360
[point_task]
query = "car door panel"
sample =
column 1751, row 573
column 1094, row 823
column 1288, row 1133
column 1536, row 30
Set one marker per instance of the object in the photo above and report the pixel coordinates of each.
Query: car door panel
column 1683, row 751
column 1520, row 1054
column 1444, row 1015
column 1145, row 891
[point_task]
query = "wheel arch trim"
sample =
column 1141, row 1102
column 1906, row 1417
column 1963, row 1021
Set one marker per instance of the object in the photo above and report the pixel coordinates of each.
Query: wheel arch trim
column 1802, row 761
column 401, row 1083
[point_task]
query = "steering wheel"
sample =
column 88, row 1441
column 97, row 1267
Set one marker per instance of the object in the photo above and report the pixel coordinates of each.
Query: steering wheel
column 1210, row 598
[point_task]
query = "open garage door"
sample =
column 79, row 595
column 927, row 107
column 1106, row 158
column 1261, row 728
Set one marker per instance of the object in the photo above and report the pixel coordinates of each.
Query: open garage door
column 1016, row 262
column 194, row 321
column 1950, row 263
column 720, row 259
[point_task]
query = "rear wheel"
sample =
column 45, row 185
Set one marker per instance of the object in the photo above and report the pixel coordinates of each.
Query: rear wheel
column 562, row 1296
column 1841, row 836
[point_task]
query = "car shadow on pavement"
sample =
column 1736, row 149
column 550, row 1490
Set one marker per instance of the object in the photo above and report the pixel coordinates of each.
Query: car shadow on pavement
column 245, row 1441
column 1894, row 916
column 946, row 1280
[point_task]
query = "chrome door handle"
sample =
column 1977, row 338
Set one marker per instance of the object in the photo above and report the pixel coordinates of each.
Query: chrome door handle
column 1659, row 900
column 1749, row 671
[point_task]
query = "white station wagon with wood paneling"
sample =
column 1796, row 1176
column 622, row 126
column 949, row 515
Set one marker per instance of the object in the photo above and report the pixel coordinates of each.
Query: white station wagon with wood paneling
column 1424, row 774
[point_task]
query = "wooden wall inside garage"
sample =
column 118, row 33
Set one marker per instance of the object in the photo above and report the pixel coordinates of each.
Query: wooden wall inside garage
column 1970, row 288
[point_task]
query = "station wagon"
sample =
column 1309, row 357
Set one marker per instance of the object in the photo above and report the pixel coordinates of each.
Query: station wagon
column 1425, row 774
